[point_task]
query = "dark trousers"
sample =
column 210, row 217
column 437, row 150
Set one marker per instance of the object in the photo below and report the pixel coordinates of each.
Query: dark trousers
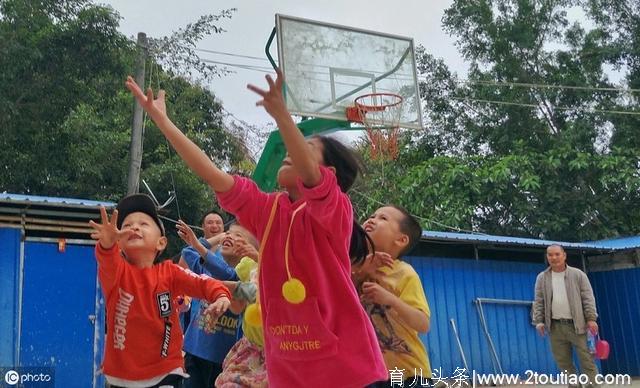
column 203, row 373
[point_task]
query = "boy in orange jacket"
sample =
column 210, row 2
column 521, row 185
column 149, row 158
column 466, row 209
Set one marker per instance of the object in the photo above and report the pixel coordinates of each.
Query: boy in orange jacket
column 143, row 347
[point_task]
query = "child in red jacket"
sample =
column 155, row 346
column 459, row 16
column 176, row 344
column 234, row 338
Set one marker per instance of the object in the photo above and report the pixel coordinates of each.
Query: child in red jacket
column 143, row 347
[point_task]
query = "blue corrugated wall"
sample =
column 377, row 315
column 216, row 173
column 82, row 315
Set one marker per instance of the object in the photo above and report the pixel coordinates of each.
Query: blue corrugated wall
column 9, row 269
column 59, row 296
column 451, row 285
column 618, row 300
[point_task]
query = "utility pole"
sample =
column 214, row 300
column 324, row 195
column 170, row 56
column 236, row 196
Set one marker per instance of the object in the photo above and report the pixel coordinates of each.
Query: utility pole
column 135, row 151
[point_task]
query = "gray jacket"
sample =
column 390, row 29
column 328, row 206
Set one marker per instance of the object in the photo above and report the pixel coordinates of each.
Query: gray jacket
column 582, row 303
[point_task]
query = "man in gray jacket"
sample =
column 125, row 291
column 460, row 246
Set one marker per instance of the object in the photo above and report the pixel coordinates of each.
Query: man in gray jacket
column 564, row 306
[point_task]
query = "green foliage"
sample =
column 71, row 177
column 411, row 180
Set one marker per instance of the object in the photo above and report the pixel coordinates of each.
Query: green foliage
column 60, row 61
column 558, row 194
column 65, row 115
column 503, row 154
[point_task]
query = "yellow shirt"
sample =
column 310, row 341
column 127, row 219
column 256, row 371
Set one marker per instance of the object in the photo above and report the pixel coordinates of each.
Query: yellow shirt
column 244, row 270
column 401, row 347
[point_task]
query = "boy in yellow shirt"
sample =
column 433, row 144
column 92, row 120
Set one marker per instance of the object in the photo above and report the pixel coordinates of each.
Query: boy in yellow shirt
column 393, row 296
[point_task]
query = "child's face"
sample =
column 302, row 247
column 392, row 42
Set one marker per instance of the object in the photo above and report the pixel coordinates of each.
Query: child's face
column 212, row 225
column 383, row 226
column 287, row 174
column 235, row 236
column 146, row 239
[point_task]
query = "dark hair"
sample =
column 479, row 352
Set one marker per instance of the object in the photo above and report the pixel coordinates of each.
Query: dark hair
column 212, row 211
column 557, row 245
column 348, row 166
column 346, row 162
column 361, row 244
column 409, row 226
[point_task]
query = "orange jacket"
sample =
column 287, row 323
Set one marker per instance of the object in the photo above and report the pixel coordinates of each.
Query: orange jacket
column 144, row 338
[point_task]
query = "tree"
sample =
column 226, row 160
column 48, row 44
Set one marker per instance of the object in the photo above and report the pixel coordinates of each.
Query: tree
column 54, row 56
column 504, row 152
column 65, row 115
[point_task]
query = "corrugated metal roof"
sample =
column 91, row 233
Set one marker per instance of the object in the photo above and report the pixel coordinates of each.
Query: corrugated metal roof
column 619, row 243
column 52, row 201
column 612, row 244
column 506, row 240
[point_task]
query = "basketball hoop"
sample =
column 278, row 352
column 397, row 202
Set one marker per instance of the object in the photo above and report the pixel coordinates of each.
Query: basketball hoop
column 380, row 114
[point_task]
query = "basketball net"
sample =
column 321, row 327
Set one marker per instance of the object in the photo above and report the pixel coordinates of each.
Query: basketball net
column 380, row 114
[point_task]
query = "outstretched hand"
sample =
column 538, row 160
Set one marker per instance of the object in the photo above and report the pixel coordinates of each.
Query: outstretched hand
column 215, row 310
column 107, row 233
column 272, row 99
column 155, row 107
column 186, row 233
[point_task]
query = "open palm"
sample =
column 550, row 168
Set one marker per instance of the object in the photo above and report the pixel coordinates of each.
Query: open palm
column 186, row 233
column 107, row 233
column 156, row 108
column 272, row 99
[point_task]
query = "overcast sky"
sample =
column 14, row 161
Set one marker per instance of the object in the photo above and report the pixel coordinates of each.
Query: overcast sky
column 249, row 28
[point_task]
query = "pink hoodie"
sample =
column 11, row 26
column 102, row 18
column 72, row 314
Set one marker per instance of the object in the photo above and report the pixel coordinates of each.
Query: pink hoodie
column 328, row 339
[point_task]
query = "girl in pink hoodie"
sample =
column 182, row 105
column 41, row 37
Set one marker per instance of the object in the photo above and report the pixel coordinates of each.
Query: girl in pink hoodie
column 316, row 332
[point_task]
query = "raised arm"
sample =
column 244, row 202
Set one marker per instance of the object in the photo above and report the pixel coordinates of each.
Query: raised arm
column 110, row 261
column 188, row 236
column 192, row 155
column 273, row 103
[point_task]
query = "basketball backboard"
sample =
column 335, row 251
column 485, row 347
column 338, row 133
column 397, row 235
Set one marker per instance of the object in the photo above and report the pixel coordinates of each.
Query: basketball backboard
column 327, row 66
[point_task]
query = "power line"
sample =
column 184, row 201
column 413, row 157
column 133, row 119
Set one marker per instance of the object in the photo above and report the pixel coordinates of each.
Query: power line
column 468, row 81
column 622, row 112
column 548, row 86
column 269, row 70
column 228, row 54
column 262, row 69
column 253, row 128
column 265, row 69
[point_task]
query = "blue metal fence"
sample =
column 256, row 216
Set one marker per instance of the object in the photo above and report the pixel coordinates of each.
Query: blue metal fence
column 48, row 301
column 618, row 300
column 59, row 293
column 9, row 294
column 451, row 286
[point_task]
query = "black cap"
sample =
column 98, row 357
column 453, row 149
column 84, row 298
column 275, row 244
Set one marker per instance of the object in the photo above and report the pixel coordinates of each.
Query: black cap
column 138, row 203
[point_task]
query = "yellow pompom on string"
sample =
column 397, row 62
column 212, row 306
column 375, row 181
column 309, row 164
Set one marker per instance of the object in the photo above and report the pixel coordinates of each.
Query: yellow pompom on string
column 293, row 291
column 253, row 315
